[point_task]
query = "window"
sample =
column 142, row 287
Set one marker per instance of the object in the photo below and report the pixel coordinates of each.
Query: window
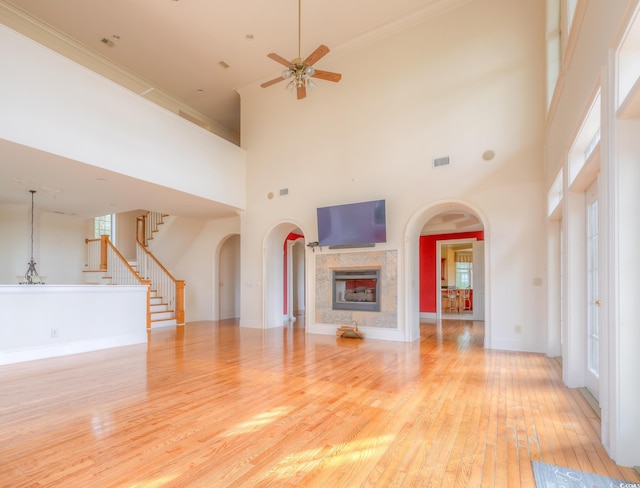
column 464, row 275
column 571, row 10
column 105, row 225
column 560, row 39
column 554, row 47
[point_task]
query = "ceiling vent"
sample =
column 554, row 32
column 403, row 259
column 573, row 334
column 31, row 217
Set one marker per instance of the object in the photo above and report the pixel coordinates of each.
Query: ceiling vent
column 284, row 191
column 441, row 162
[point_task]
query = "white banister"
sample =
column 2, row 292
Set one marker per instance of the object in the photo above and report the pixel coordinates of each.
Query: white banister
column 93, row 258
column 120, row 272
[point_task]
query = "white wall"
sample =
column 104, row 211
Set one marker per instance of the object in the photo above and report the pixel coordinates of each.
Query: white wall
column 468, row 81
column 14, row 242
column 228, row 289
column 42, row 321
column 198, row 266
column 59, row 247
column 626, row 336
column 298, row 274
column 126, row 233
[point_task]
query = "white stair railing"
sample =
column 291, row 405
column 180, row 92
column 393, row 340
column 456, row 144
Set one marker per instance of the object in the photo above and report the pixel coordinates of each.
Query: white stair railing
column 119, row 270
column 162, row 282
column 94, row 255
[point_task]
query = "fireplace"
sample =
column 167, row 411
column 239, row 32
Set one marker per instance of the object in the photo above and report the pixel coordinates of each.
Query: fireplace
column 356, row 289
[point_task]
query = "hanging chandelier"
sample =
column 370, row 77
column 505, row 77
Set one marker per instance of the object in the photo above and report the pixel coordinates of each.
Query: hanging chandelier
column 31, row 277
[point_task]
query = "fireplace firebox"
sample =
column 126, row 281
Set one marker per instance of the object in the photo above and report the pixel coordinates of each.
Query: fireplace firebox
column 356, row 289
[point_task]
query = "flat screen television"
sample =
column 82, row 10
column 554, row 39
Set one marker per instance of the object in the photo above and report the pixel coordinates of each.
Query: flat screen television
column 352, row 225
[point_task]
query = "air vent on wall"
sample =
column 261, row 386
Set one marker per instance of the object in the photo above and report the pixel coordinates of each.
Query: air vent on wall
column 441, row 161
column 284, row 191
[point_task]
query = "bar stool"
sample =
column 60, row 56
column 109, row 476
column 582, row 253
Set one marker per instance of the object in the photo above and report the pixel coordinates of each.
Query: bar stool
column 466, row 299
column 452, row 295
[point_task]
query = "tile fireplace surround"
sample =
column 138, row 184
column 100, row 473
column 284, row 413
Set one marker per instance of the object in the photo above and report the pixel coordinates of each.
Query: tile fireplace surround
column 386, row 261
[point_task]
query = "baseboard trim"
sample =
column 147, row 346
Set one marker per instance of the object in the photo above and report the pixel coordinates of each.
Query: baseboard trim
column 591, row 400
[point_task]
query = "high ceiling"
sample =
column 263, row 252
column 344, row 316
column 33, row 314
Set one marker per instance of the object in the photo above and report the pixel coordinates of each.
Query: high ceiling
column 177, row 46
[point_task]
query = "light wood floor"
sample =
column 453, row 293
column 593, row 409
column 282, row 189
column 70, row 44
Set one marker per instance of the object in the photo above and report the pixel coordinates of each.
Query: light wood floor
column 213, row 405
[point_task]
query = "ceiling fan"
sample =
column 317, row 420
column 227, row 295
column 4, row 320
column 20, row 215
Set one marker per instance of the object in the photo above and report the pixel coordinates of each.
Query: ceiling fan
column 300, row 71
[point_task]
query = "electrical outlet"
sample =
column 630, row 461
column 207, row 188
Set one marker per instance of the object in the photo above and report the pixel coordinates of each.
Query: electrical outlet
column 54, row 332
column 518, row 329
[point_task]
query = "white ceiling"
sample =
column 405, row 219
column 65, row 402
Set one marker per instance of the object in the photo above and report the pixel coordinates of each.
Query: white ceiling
column 176, row 46
column 451, row 222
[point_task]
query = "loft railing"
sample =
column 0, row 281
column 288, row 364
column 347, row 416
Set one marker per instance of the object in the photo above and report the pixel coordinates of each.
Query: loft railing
column 162, row 281
column 102, row 255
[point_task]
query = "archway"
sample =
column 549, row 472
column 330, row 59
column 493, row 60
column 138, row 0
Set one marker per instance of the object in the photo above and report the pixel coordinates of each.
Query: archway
column 276, row 287
column 228, row 278
column 441, row 220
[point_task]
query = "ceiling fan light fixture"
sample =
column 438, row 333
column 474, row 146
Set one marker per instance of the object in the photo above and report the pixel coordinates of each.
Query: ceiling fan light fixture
column 311, row 84
column 301, row 70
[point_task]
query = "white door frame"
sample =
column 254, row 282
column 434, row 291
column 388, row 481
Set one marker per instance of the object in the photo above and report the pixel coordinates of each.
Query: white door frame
column 439, row 244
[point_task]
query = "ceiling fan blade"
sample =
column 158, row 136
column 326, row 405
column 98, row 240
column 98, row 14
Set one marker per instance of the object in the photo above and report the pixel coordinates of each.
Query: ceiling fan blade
column 272, row 82
column 302, row 92
column 316, row 55
column 327, row 75
column 279, row 59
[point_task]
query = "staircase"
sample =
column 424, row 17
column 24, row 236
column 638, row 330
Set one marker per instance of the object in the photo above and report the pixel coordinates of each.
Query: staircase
column 159, row 313
column 161, row 316
column 106, row 265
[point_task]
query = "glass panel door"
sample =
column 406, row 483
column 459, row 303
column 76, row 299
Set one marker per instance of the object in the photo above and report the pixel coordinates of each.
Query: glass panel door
column 593, row 302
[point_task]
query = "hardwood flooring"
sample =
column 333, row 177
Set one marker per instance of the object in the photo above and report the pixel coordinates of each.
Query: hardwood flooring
column 215, row 405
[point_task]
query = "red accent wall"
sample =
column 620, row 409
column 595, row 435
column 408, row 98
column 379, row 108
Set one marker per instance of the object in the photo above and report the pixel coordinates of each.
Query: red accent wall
column 428, row 285
column 291, row 237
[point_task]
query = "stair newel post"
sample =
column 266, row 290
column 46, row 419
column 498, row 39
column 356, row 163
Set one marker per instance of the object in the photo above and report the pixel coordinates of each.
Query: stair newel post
column 179, row 302
column 104, row 239
column 139, row 224
column 148, row 284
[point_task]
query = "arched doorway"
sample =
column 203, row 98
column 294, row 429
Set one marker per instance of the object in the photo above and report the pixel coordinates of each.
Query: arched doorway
column 278, row 280
column 427, row 263
column 228, row 278
column 452, row 244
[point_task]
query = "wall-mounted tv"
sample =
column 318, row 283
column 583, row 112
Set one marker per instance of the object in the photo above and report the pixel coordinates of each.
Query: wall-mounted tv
column 352, row 225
